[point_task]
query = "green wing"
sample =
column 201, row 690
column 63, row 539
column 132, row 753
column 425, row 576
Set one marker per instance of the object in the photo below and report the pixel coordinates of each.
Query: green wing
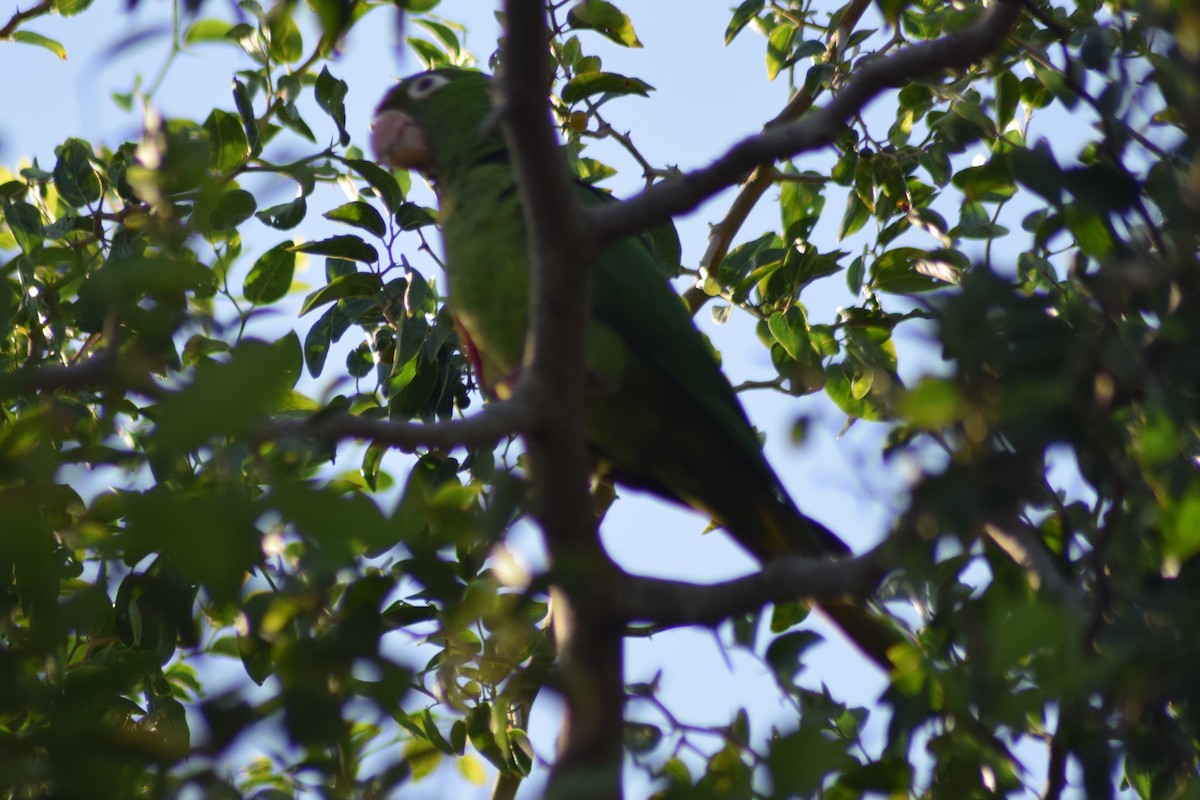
column 674, row 425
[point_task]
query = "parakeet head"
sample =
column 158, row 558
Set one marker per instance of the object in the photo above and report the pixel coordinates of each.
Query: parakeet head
column 433, row 120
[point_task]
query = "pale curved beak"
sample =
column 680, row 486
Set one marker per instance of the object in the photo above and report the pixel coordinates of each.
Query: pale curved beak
column 397, row 141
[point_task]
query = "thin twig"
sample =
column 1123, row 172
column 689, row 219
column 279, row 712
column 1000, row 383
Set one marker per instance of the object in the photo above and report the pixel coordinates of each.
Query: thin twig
column 16, row 19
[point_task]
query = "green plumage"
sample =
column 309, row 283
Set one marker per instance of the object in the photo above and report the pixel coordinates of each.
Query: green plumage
column 660, row 413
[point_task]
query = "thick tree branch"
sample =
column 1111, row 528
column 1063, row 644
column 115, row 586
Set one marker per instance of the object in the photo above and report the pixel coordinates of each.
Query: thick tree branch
column 489, row 426
column 670, row 604
column 664, row 200
column 95, row 371
column 102, row 369
column 588, row 637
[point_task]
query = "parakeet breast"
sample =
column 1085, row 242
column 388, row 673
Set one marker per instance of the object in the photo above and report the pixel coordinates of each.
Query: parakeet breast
column 487, row 269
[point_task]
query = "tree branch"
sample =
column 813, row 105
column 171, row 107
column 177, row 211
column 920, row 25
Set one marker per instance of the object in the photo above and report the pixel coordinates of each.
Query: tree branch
column 664, row 200
column 96, row 370
column 101, row 369
column 20, row 16
column 1020, row 543
column 588, row 638
column 489, row 426
column 670, row 604
column 722, row 233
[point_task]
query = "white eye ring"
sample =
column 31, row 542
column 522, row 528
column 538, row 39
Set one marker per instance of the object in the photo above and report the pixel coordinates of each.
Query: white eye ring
column 426, row 85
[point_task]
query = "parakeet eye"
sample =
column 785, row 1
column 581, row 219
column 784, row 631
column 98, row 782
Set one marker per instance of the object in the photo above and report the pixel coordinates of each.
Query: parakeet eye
column 426, row 85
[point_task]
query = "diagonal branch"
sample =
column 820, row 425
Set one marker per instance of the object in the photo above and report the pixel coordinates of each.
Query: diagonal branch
column 670, row 604
column 18, row 17
column 722, row 233
column 663, row 200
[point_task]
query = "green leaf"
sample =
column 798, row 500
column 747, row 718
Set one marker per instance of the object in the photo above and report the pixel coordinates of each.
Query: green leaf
column 74, row 175
column 232, row 209
column 971, row 111
column 604, row 18
column 800, row 205
column 855, row 275
column 790, row 329
column 743, row 260
column 975, row 223
column 891, row 10
column 890, row 777
column 748, row 10
column 372, row 459
column 471, row 769
column 1008, row 95
column 271, row 276
column 991, row 182
column 250, row 40
column 1099, row 44
column 359, row 284
column 283, row 36
column 808, row 48
column 207, row 30
column 904, row 270
column 359, row 361
column 208, row 539
column 589, row 170
column 936, row 161
column 381, row 181
column 285, row 216
column 325, row 331
column 483, row 738
column 818, row 77
column 290, row 118
column 331, row 97
column 241, row 99
column 25, row 222
column 800, row 762
column 593, row 83
column 783, row 654
column 287, row 349
column 930, row 405
column 850, row 387
column 421, row 757
column 1103, row 187
column 198, row 348
column 345, row 246
column 339, row 526
column 69, row 8
column 360, row 215
column 227, row 139
column 36, row 39
column 856, row 215
column 779, row 48
column 443, row 33
column 225, row 399
column 429, row 54
column 1090, row 230
column 433, row 734
column 641, row 737
column 410, row 216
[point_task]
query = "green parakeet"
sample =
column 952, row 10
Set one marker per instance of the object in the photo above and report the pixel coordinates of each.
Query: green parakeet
column 660, row 414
